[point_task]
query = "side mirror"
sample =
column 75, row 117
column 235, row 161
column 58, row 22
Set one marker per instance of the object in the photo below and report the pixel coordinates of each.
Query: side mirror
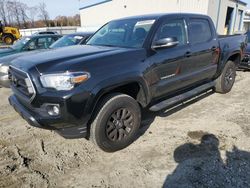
column 165, row 43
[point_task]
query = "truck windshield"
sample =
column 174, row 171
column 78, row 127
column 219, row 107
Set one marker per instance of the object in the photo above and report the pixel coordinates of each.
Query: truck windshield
column 130, row 33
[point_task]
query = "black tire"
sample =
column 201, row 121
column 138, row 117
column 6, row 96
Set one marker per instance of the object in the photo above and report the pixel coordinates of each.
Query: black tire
column 116, row 122
column 8, row 39
column 226, row 80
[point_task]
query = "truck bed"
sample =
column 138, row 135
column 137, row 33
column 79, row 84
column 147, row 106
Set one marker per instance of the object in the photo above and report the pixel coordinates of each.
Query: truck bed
column 232, row 44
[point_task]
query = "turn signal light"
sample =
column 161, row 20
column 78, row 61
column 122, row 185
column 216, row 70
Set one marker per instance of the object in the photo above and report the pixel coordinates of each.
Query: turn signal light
column 79, row 79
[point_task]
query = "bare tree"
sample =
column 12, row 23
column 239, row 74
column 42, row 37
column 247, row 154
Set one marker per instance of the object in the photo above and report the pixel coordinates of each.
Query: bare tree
column 16, row 13
column 44, row 15
column 9, row 13
column 77, row 20
column 14, row 6
column 32, row 12
column 23, row 13
column 3, row 11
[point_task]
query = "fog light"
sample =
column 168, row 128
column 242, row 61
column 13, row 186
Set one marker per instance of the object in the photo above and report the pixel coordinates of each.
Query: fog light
column 53, row 110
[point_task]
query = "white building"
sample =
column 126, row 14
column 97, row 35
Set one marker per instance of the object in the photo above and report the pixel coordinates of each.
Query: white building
column 226, row 14
column 247, row 21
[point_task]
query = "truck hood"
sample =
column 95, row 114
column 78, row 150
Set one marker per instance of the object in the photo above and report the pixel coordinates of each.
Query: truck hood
column 63, row 59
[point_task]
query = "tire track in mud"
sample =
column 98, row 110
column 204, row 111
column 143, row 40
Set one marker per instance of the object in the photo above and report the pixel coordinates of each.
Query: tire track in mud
column 13, row 164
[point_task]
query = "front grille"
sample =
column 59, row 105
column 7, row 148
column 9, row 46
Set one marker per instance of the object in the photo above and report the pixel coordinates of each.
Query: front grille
column 21, row 83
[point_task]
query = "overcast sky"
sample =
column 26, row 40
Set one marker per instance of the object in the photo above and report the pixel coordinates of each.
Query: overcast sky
column 66, row 7
column 248, row 2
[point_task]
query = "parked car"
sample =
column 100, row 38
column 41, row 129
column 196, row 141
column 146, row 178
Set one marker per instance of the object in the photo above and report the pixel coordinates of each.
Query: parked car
column 46, row 33
column 67, row 40
column 98, row 90
column 72, row 39
column 245, row 63
column 30, row 43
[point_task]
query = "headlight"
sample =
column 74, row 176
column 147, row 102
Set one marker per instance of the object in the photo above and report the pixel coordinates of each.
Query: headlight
column 4, row 69
column 64, row 81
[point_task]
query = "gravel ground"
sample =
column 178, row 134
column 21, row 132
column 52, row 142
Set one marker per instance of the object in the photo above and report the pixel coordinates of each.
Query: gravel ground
column 204, row 143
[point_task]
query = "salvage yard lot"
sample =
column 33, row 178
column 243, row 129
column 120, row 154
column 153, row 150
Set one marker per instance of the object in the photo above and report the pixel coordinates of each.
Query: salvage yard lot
column 168, row 152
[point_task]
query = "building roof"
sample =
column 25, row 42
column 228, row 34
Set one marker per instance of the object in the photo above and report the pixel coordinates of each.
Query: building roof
column 90, row 3
column 241, row 2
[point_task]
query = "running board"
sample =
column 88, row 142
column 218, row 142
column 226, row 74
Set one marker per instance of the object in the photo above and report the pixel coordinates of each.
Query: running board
column 182, row 97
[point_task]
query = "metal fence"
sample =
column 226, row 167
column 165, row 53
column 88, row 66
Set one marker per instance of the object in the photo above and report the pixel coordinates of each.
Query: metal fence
column 59, row 30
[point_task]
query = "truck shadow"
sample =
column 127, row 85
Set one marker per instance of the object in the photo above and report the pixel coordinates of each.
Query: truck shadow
column 201, row 165
column 148, row 117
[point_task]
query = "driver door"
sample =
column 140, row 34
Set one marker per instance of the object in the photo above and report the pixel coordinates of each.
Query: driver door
column 166, row 62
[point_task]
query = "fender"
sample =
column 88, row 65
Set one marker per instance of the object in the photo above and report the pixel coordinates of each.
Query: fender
column 106, row 86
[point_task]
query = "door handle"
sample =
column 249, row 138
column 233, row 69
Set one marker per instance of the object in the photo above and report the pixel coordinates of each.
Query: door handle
column 188, row 54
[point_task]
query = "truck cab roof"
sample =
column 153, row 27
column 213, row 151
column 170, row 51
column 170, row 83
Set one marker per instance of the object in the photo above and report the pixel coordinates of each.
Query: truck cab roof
column 162, row 15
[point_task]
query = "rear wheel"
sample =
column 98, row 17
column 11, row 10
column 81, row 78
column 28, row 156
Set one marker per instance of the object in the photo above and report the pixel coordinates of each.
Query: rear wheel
column 226, row 80
column 116, row 122
column 8, row 39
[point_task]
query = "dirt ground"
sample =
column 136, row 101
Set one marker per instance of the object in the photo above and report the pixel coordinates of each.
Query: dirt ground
column 204, row 143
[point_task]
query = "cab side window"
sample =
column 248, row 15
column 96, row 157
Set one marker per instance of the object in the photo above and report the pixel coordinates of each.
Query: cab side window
column 173, row 28
column 199, row 31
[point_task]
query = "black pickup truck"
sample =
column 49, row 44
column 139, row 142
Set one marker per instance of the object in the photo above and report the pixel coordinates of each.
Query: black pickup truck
column 97, row 91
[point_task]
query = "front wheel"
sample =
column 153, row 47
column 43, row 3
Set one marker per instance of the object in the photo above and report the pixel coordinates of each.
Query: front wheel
column 226, row 80
column 116, row 122
column 8, row 39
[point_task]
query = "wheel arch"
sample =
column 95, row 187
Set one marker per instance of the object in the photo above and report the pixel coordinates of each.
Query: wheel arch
column 235, row 57
column 134, row 88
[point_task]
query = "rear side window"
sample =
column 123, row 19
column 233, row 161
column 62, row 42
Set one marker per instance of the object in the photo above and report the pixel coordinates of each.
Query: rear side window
column 199, row 31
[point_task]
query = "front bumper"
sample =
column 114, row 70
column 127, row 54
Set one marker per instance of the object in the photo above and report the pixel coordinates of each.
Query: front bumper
column 36, row 117
column 4, row 80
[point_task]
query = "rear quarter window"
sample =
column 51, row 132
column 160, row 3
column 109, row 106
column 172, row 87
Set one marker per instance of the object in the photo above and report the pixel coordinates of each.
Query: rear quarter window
column 199, row 31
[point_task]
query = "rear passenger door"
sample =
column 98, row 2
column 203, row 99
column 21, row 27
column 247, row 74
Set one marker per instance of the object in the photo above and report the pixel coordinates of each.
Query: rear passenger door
column 204, row 51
